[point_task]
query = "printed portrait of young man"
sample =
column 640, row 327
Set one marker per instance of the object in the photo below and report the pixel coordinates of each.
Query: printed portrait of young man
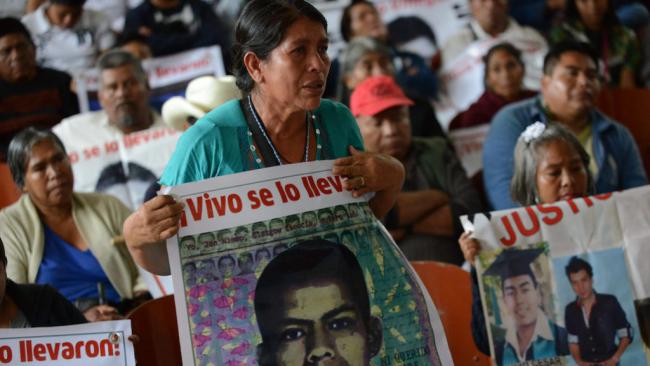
column 313, row 308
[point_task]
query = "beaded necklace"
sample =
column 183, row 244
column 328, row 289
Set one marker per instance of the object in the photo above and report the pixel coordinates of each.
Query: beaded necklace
column 309, row 119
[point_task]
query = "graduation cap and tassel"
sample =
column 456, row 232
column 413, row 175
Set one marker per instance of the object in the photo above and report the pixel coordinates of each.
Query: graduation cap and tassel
column 513, row 262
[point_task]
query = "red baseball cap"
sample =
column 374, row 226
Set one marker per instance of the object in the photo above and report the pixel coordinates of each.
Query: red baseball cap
column 376, row 94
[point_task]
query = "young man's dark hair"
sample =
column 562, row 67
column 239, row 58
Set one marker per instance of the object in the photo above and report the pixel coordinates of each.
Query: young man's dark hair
column 555, row 53
column 577, row 264
column 310, row 264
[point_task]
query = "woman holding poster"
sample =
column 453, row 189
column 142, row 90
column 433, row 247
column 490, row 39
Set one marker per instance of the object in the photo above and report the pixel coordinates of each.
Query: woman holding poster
column 281, row 65
column 550, row 166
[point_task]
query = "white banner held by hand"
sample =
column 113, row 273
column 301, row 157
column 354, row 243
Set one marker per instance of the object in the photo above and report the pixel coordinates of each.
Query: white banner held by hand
column 98, row 344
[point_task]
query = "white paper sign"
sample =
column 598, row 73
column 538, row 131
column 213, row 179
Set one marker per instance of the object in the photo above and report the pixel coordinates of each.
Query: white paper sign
column 468, row 143
column 97, row 344
column 534, row 247
column 237, row 231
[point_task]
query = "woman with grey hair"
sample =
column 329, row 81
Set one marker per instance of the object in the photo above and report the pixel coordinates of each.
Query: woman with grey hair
column 68, row 240
column 541, row 154
column 550, row 165
column 365, row 57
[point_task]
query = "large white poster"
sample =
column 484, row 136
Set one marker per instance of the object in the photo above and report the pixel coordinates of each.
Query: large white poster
column 567, row 283
column 98, row 344
column 443, row 18
column 282, row 266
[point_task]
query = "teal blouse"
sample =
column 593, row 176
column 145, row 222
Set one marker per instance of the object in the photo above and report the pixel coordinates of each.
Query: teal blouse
column 218, row 144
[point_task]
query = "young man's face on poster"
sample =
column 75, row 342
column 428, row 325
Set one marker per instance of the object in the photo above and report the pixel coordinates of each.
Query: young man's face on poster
column 321, row 325
column 522, row 299
column 582, row 284
column 226, row 265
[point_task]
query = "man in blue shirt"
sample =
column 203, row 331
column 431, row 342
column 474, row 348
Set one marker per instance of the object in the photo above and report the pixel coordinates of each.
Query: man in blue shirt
column 569, row 89
column 594, row 321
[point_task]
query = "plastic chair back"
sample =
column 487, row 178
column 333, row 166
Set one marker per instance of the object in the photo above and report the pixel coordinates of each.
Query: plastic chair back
column 154, row 322
column 450, row 289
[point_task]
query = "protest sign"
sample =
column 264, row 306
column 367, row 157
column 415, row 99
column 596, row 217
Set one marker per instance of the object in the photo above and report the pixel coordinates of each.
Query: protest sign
column 102, row 343
column 106, row 160
column 443, row 18
column 468, row 143
column 167, row 76
column 283, row 264
column 561, row 279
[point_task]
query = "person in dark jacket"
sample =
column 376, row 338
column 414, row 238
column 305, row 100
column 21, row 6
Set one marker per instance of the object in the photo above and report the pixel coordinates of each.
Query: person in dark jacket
column 26, row 306
column 172, row 26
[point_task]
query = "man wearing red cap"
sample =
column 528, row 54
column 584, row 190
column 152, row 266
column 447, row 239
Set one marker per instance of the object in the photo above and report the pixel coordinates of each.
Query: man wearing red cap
column 424, row 221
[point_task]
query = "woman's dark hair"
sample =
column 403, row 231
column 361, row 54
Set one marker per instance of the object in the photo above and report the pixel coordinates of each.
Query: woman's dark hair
column 609, row 18
column 20, row 150
column 346, row 18
column 506, row 47
column 260, row 29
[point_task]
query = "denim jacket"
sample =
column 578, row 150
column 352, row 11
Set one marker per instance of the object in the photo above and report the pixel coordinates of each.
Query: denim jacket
column 616, row 153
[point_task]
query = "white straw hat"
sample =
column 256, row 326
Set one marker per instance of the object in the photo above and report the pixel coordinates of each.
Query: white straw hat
column 202, row 95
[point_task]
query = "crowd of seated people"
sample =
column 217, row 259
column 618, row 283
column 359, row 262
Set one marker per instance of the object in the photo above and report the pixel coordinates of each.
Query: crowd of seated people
column 364, row 57
column 75, row 241
column 569, row 89
column 361, row 19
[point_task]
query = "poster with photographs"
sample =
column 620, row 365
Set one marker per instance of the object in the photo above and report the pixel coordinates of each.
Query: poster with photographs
column 562, row 284
column 283, row 266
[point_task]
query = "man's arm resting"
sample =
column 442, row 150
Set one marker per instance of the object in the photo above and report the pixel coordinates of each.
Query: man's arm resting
column 415, row 206
column 439, row 222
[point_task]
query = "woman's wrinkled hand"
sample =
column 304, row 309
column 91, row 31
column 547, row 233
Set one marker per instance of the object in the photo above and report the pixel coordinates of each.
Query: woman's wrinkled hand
column 369, row 172
column 469, row 246
column 157, row 219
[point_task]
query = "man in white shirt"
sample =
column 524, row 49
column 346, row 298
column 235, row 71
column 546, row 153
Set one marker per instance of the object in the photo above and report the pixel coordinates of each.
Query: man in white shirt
column 490, row 20
column 122, row 148
column 462, row 64
column 67, row 37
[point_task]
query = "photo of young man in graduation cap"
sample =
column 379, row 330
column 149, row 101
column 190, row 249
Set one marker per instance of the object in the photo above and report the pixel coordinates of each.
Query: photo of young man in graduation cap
column 530, row 334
